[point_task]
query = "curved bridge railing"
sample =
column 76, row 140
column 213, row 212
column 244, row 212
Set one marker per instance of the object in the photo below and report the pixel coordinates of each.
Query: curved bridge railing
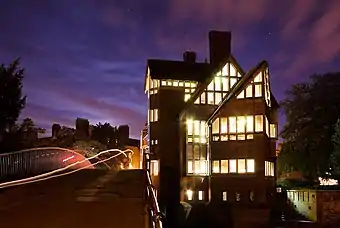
column 30, row 162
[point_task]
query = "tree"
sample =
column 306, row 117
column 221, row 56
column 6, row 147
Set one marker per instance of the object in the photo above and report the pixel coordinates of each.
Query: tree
column 335, row 155
column 29, row 133
column 88, row 148
column 311, row 110
column 11, row 99
column 103, row 133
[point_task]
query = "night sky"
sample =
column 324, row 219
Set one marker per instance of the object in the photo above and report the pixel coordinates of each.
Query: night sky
column 87, row 58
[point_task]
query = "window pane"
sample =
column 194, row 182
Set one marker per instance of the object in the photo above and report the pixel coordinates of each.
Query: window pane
column 225, row 70
column 241, row 165
column 250, row 165
column 187, row 84
column 218, row 98
column 196, row 127
column 272, row 130
column 241, row 124
column 224, row 125
column 186, row 97
column 250, row 123
column 203, row 98
column 197, row 167
column 232, row 70
column 210, row 98
column 232, row 166
column 189, row 126
column 175, row 83
column 241, row 95
column 197, row 101
column 258, row 77
column 258, row 90
column 216, row 126
column 232, row 124
column 203, row 131
column 163, row 83
column 211, row 86
column 190, row 168
column 225, row 86
column 156, row 114
column 249, row 91
column 258, row 123
column 218, row 86
column 232, row 82
column 224, row 196
column 180, row 84
column 200, row 195
column 216, row 167
column 267, row 126
column 154, row 167
column 224, row 166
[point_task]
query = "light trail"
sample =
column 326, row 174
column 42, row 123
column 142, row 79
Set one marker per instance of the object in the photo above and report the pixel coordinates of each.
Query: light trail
column 10, row 183
column 62, row 174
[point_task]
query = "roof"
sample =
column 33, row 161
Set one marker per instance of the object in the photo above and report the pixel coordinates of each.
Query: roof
column 178, row 70
column 133, row 142
column 238, row 87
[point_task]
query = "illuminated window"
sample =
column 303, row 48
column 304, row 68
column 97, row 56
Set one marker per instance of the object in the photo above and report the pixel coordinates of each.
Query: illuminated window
column 216, row 167
column 232, row 82
column 180, row 84
column 200, row 195
column 197, row 101
column 196, row 127
column 258, row 123
column 186, row 97
column 216, row 126
column 224, row 196
column 241, row 165
column 269, row 168
column 169, row 83
column 232, row 70
column 187, row 84
column 232, row 166
column 218, row 84
column 232, row 124
column 225, row 86
column 238, row 197
column 210, row 98
column 224, row 125
column 241, row 137
column 203, row 98
column 154, row 167
column 267, row 126
column 218, row 98
column 190, row 167
column 258, row 90
column 225, row 70
column 163, row 83
column 249, row 91
column 224, row 166
column 211, row 86
column 175, row 83
column 250, row 165
column 156, row 114
column 258, row 77
column 249, row 124
column 241, row 124
column 189, row 194
column 193, row 85
column 272, row 131
column 189, row 126
column 241, row 95
column 238, row 74
column 153, row 115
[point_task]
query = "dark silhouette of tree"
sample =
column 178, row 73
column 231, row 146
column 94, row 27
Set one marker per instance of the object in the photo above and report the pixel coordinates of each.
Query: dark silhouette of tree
column 311, row 111
column 11, row 99
column 103, row 133
column 335, row 155
column 29, row 133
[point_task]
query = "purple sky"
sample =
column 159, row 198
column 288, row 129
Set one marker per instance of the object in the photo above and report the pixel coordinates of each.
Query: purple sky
column 87, row 59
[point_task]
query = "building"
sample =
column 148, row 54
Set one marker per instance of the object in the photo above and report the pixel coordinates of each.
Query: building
column 212, row 128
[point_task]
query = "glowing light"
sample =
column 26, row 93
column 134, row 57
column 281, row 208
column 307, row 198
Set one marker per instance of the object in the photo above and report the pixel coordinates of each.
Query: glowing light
column 190, row 194
column 66, row 159
column 327, row 181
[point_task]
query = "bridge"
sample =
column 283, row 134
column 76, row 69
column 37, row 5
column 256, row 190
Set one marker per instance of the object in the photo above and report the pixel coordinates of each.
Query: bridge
column 57, row 187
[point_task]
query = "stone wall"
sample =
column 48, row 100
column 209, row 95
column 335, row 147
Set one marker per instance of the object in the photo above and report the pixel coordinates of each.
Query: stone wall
column 329, row 206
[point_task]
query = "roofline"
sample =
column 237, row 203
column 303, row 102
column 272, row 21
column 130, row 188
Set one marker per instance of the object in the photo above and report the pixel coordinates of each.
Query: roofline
column 236, row 88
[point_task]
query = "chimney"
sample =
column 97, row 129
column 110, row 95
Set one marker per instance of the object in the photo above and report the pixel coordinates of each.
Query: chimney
column 55, row 130
column 220, row 46
column 189, row 57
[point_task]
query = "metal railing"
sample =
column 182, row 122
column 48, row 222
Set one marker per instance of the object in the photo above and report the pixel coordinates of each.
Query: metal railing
column 26, row 163
column 156, row 216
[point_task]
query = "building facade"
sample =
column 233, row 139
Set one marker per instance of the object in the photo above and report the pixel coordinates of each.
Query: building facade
column 212, row 128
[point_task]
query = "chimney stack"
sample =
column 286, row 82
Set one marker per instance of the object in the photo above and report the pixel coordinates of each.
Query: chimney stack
column 189, row 57
column 220, row 46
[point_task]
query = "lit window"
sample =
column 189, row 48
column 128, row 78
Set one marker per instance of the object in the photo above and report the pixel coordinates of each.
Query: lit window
column 192, row 90
column 272, row 131
column 190, row 168
column 232, row 70
column 241, row 137
column 163, row 83
column 196, row 127
column 154, row 168
column 238, row 197
column 239, row 75
column 269, row 168
column 216, row 167
column 203, row 129
column 216, row 126
column 241, row 166
column 189, row 126
column 250, row 124
column 258, row 123
column 249, row 91
column 258, row 77
column 200, row 195
column 218, row 98
column 210, row 98
column 225, row 86
column 225, row 71
column 197, row 101
column 232, row 124
column 241, row 95
column 218, row 84
column 189, row 194
column 186, row 97
column 267, row 126
column 151, row 115
column 180, row 84
column 211, row 86
column 175, row 83
column 224, row 125
column 224, row 166
column 232, row 82
column 169, row 83
column 187, row 84
column 224, row 138
column 250, row 165
column 224, row 196
column 232, row 166
column 193, row 84
column 156, row 114
column 203, row 98
column 241, row 124
column 258, row 90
